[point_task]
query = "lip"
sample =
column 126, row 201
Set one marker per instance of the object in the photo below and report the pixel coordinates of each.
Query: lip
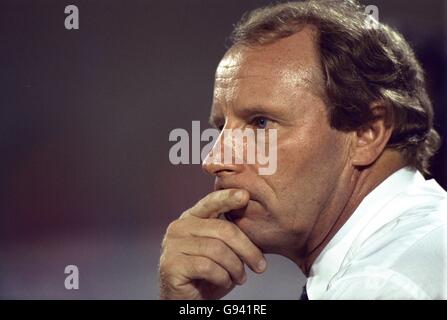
column 222, row 185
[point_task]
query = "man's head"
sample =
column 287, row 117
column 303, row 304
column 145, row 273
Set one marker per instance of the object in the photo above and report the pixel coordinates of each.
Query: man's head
column 343, row 98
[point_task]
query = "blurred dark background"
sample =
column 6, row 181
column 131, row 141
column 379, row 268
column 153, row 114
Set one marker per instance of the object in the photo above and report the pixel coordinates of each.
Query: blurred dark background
column 85, row 115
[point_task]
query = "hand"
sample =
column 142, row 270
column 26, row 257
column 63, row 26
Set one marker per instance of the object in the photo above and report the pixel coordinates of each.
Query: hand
column 202, row 256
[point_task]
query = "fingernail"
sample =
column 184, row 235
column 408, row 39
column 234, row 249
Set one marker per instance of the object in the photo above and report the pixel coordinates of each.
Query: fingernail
column 239, row 195
column 262, row 264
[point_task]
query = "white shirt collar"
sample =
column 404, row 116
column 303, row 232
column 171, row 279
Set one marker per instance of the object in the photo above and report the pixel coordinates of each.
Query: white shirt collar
column 331, row 258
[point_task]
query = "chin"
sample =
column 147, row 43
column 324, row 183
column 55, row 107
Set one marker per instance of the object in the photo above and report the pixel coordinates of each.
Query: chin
column 257, row 224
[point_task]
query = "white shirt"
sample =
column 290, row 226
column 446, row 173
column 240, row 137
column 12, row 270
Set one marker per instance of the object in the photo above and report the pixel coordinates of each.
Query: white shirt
column 394, row 246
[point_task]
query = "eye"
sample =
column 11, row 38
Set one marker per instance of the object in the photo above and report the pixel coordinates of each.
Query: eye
column 260, row 122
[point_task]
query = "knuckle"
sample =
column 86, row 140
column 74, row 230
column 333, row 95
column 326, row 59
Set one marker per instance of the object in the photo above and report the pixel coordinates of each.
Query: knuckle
column 165, row 264
column 226, row 230
column 239, row 268
column 205, row 203
column 227, row 197
column 166, row 245
column 173, row 229
column 216, row 247
column 204, row 266
column 203, row 246
column 214, row 198
column 168, row 282
column 225, row 279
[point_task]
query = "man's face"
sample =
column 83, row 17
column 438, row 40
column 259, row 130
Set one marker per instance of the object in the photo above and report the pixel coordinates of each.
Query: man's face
column 277, row 87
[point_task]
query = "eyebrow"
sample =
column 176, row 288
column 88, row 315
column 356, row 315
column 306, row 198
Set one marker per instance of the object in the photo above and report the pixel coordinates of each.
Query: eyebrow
column 259, row 109
column 250, row 110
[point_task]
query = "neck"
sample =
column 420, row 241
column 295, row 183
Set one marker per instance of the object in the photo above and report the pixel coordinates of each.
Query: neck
column 354, row 185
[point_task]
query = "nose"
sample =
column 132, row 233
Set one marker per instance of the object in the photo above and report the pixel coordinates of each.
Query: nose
column 220, row 160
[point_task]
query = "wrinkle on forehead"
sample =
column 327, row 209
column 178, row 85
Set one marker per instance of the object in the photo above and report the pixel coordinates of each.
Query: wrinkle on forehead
column 293, row 61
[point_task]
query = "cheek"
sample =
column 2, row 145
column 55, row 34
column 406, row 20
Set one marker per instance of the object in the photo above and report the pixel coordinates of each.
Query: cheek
column 307, row 170
column 310, row 150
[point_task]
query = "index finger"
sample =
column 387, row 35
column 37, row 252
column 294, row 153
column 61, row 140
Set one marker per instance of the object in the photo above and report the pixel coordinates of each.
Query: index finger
column 218, row 202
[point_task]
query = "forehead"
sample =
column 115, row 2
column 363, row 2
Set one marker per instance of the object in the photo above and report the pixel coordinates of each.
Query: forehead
column 282, row 68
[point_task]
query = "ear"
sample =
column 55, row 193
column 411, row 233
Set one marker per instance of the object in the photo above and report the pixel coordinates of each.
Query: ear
column 371, row 139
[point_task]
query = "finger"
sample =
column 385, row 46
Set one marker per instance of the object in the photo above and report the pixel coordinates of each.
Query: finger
column 201, row 268
column 217, row 251
column 233, row 237
column 218, row 202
